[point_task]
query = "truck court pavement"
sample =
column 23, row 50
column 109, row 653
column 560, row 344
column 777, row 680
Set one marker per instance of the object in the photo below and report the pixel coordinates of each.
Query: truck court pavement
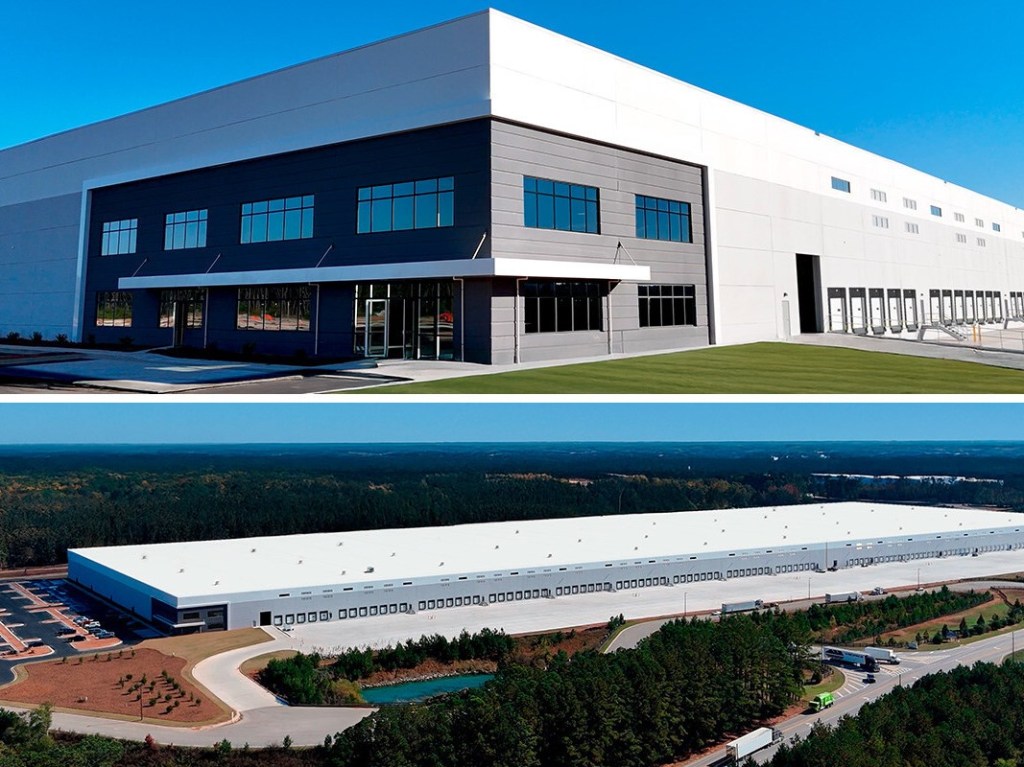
column 263, row 720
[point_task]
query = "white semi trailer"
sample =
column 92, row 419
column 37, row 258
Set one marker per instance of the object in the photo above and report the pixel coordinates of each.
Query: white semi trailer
column 882, row 654
column 845, row 596
column 746, row 745
column 742, row 607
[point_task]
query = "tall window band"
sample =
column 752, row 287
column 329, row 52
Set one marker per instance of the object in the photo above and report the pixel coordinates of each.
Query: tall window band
column 425, row 204
column 658, row 219
column 119, row 237
column 186, row 229
column 664, row 305
column 289, row 218
column 559, row 205
column 557, row 307
column 273, row 307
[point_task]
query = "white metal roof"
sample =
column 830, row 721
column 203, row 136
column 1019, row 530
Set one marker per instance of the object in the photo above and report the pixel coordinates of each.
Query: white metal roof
column 230, row 567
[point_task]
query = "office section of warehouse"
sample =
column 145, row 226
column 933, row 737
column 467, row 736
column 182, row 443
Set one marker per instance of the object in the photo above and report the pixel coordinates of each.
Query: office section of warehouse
column 291, row 580
column 486, row 190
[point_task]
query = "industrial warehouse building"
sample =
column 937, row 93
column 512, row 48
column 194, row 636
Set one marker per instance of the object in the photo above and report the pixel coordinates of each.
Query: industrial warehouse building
column 298, row 579
column 483, row 190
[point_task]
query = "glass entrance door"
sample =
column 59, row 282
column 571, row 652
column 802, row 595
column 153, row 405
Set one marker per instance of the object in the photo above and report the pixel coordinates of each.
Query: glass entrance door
column 375, row 341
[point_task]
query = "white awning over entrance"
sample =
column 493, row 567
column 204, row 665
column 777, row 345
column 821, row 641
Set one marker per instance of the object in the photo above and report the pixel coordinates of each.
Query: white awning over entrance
column 422, row 270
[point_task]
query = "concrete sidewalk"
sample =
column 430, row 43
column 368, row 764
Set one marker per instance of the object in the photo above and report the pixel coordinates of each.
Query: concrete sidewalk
column 149, row 372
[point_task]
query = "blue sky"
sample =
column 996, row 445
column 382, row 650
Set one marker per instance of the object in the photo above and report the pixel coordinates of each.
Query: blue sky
column 937, row 85
column 180, row 422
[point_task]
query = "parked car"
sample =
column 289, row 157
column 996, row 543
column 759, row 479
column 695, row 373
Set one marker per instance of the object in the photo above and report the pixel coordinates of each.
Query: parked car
column 870, row 679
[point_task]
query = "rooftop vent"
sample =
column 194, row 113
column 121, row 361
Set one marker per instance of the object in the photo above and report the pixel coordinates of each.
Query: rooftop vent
column 252, row 551
column 368, row 570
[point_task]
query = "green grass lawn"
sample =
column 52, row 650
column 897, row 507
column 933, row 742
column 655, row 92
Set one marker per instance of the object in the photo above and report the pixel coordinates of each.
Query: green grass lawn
column 761, row 368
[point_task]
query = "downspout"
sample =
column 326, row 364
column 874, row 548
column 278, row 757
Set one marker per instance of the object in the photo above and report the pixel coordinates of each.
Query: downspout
column 609, row 302
column 515, row 314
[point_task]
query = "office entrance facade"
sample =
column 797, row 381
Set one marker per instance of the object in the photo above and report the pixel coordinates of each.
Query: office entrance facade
column 404, row 320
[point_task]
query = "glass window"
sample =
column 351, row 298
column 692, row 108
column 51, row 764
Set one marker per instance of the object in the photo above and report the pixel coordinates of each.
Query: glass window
column 185, row 230
column 288, row 218
column 424, row 204
column 190, row 301
column 665, row 305
column 560, row 205
column 959, row 217
column 840, row 184
column 119, row 237
column 658, row 219
column 878, row 195
column 909, row 204
column 554, row 307
column 936, row 211
column 273, row 307
column 113, row 309
column 996, row 227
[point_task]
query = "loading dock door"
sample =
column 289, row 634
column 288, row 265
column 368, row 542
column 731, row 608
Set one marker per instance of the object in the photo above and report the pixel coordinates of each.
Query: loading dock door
column 958, row 307
column 837, row 310
column 910, row 309
column 969, row 305
column 858, row 311
column 934, row 307
column 895, row 311
column 947, row 306
column 979, row 300
column 997, row 306
column 876, row 310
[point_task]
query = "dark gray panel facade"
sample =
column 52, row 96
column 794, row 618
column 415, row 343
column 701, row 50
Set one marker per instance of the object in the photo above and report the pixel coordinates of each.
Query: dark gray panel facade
column 620, row 175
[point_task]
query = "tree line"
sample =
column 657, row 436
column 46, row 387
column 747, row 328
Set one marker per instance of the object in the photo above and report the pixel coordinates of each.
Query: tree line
column 678, row 691
column 42, row 514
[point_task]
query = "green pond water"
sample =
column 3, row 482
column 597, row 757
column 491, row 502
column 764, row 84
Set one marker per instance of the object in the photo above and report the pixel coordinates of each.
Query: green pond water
column 411, row 692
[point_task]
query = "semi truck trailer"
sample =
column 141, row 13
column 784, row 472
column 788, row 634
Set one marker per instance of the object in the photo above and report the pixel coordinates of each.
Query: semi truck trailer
column 843, row 596
column 741, row 607
column 883, row 655
column 856, row 658
column 746, row 745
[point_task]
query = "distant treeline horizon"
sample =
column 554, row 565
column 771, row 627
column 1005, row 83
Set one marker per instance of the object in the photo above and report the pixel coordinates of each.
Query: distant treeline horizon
column 52, row 500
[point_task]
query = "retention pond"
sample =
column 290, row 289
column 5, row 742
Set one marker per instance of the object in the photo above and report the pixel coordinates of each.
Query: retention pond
column 413, row 692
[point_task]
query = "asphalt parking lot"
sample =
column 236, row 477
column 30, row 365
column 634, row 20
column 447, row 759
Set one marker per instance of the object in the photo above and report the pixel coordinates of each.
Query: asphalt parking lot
column 27, row 610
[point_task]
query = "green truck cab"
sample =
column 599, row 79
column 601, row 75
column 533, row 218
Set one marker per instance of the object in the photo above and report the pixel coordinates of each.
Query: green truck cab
column 821, row 701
